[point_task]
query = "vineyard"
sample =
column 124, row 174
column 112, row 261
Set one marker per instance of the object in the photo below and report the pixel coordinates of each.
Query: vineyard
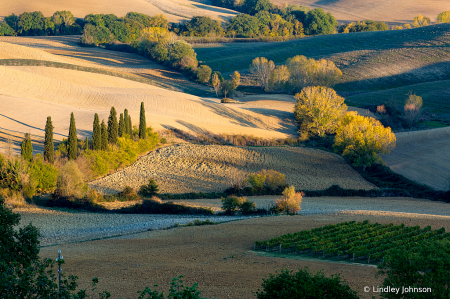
column 359, row 241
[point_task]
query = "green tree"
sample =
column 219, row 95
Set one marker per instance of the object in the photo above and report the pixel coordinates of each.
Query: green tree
column 49, row 147
column 113, row 126
column 362, row 139
column 178, row 50
column 127, row 123
column 86, row 143
column 96, row 134
column 26, row 148
column 121, row 125
column 6, row 30
column 428, row 267
column 262, row 69
column 252, row 7
column 236, row 79
column 443, row 17
column 203, row 26
column 142, row 123
column 244, row 25
column 303, row 284
column 130, row 126
column 216, row 83
column 318, row 110
column 13, row 21
column 73, row 140
column 227, row 88
column 150, row 189
column 203, row 74
column 104, row 134
column 319, row 22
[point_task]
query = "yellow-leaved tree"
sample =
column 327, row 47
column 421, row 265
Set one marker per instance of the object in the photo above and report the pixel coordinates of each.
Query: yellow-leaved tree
column 443, row 17
column 318, row 110
column 363, row 139
column 421, row 21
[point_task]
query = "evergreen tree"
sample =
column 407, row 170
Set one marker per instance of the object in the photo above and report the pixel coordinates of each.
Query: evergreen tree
column 125, row 118
column 113, row 126
column 104, row 136
column 87, row 143
column 26, row 149
column 72, row 150
column 130, row 126
column 121, row 125
column 96, row 134
column 49, row 148
column 142, row 124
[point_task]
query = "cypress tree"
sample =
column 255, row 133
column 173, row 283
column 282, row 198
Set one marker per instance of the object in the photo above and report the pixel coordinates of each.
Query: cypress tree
column 26, row 148
column 104, row 136
column 121, row 125
column 130, row 127
column 49, row 147
column 113, row 126
column 72, row 150
column 125, row 118
column 96, row 134
column 142, row 124
column 87, row 143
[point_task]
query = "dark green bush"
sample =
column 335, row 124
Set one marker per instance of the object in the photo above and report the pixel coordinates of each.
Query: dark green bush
column 303, row 284
column 150, row 189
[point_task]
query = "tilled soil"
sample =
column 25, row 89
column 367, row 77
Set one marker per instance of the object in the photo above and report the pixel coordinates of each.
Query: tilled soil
column 213, row 168
column 218, row 257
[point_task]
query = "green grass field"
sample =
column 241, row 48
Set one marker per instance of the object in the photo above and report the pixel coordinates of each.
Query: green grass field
column 369, row 60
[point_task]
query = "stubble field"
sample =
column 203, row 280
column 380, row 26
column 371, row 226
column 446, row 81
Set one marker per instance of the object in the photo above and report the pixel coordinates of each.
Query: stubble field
column 213, row 168
column 218, row 257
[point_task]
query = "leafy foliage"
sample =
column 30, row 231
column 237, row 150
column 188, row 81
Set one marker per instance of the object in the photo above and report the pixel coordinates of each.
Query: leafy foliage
column 232, row 204
column 290, row 202
column 318, row 110
column 319, row 22
column 427, row 267
column 26, row 148
column 362, row 139
column 303, row 284
column 150, row 189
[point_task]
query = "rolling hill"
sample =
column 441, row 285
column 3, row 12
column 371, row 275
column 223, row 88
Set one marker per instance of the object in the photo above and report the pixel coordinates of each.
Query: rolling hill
column 393, row 11
column 174, row 10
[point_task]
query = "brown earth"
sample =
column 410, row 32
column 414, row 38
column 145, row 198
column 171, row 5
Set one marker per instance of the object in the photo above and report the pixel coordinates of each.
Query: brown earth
column 173, row 10
column 218, row 257
column 213, row 168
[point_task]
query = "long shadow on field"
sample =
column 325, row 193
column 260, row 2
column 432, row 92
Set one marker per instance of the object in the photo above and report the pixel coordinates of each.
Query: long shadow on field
column 212, row 8
column 27, row 125
column 430, row 73
column 245, row 120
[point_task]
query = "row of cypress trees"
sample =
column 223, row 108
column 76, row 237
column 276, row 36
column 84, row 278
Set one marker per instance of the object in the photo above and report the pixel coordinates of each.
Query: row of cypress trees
column 102, row 135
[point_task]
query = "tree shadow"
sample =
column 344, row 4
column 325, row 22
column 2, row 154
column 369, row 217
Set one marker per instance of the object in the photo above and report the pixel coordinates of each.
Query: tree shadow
column 29, row 126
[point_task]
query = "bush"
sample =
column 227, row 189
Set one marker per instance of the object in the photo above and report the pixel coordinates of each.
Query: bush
column 150, row 189
column 303, row 284
column 267, row 182
column 129, row 194
column 232, row 204
column 70, row 182
column 290, row 202
column 429, row 267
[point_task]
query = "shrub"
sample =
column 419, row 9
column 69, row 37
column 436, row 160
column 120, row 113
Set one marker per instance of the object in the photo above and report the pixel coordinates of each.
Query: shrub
column 203, row 74
column 303, row 284
column 150, row 189
column 70, row 182
column 232, row 203
column 429, row 267
column 290, row 202
column 256, row 180
column 129, row 194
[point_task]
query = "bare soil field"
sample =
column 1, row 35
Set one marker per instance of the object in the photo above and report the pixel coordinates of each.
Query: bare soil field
column 422, row 156
column 218, row 257
column 392, row 11
column 213, row 168
column 173, row 10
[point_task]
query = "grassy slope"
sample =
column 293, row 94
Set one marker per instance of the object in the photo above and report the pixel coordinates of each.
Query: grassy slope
column 174, row 10
column 398, row 11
